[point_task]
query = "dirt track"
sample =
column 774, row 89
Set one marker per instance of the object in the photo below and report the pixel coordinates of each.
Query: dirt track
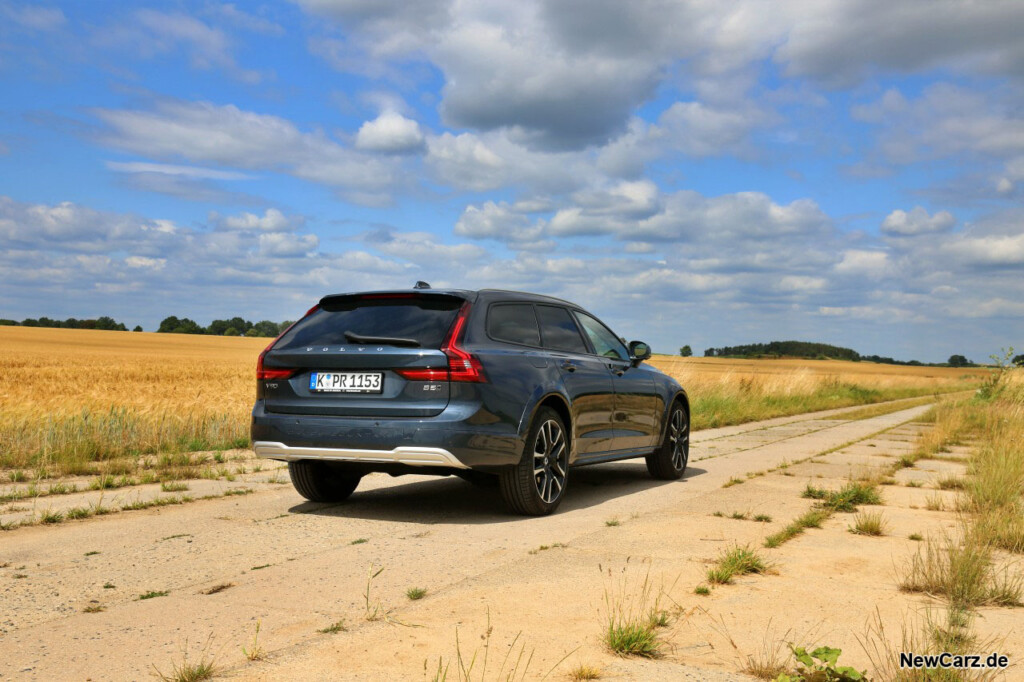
column 296, row 568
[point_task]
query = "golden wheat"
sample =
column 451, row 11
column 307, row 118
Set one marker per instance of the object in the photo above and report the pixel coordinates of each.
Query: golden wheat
column 72, row 401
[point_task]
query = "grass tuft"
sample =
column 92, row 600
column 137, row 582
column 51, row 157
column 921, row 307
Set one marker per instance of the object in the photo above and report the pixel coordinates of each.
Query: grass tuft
column 334, row 628
column 869, row 523
column 733, row 562
column 416, row 593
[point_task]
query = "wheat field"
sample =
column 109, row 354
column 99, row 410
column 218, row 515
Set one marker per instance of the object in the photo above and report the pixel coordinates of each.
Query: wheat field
column 73, row 401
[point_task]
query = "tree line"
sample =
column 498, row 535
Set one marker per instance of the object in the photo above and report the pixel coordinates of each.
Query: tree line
column 806, row 349
column 104, row 322
column 236, row 326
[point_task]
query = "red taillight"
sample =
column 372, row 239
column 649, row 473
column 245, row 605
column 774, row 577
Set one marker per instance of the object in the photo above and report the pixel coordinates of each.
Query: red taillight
column 263, row 373
column 423, row 374
column 462, row 366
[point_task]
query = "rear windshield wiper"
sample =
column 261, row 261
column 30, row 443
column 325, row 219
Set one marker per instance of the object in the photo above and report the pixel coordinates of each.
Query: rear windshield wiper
column 390, row 340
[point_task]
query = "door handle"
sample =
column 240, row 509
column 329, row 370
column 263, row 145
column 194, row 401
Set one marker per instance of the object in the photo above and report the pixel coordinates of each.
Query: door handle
column 616, row 370
column 569, row 365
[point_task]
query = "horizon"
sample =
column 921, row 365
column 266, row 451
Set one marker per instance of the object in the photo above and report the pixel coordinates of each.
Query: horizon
column 705, row 175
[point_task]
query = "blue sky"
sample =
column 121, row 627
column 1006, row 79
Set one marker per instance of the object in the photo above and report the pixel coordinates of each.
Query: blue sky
column 698, row 173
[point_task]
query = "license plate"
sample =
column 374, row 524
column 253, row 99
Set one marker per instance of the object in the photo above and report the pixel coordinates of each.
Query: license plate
column 346, row 382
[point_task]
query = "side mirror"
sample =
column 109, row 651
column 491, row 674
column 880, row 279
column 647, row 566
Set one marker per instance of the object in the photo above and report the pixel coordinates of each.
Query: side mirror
column 639, row 351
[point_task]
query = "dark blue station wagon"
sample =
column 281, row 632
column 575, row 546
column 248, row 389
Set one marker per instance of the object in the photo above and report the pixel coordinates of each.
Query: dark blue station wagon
column 493, row 386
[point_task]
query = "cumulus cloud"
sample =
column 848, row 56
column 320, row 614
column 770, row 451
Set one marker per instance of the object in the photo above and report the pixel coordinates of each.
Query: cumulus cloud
column 391, row 133
column 840, row 41
column 201, row 132
column 272, row 220
column 917, row 221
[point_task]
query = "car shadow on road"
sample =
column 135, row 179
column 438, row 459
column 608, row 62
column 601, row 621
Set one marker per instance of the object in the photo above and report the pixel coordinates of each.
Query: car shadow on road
column 453, row 500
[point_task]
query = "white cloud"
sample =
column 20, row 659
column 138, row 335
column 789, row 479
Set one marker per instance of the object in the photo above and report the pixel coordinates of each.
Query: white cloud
column 285, row 245
column 917, row 221
column 271, row 221
column 201, row 132
column 169, row 169
column 391, row 133
column 861, row 263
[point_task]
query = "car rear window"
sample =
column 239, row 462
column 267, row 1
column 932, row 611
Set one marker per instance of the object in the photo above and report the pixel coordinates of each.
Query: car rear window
column 560, row 330
column 423, row 319
column 514, row 323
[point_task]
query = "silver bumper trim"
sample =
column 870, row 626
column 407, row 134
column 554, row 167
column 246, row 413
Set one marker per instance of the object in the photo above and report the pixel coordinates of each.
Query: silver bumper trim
column 413, row 456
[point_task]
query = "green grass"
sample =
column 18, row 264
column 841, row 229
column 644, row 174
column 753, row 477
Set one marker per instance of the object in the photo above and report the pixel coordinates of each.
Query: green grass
column 963, row 572
column 702, row 590
column 78, row 513
column 733, row 562
column 152, row 594
column 813, row 518
column 726, row 405
column 416, row 593
column 50, row 517
column 358, row 541
column 732, row 481
column 173, row 486
column 633, row 639
column 611, row 523
column 334, row 628
column 185, row 671
column 869, row 523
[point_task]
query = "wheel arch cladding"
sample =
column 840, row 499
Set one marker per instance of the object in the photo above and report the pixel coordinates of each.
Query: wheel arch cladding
column 557, row 403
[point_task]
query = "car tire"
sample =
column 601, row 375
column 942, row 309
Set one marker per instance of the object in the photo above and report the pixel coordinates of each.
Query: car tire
column 668, row 462
column 536, row 486
column 320, row 482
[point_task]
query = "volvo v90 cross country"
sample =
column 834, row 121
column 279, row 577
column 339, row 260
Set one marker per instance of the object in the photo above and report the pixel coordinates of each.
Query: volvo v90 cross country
column 483, row 384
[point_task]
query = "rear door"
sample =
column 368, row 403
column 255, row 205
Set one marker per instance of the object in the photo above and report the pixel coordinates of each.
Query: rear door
column 365, row 355
column 586, row 379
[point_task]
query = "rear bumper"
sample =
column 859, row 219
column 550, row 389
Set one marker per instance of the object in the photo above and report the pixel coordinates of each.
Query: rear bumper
column 409, row 456
column 455, row 439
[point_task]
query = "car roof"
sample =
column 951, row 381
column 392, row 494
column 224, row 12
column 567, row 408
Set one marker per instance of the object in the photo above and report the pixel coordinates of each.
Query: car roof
column 467, row 294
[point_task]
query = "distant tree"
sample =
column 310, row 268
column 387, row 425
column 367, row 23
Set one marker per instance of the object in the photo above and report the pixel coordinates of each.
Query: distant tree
column 958, row 361
column 219, row 328
column 710, row 352
column 1018, row 360
column 138, row 328
column 173, row 325
column 231, row 331
column 266, row 328
column 29, row 322
column 284, row 325
column 252, row 332
column 686, row 351
column 8, row 323
column 241, row 325
column 168, row 325
column 108, row 323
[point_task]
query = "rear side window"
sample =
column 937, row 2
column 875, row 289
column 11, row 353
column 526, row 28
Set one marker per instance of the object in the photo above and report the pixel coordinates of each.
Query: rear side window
column 513, row 323
column 422, row 319
column 559, row 329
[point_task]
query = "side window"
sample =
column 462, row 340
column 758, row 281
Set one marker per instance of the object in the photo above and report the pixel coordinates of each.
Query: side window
column 514, row 323
column 560, row 331
column 605, row 343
